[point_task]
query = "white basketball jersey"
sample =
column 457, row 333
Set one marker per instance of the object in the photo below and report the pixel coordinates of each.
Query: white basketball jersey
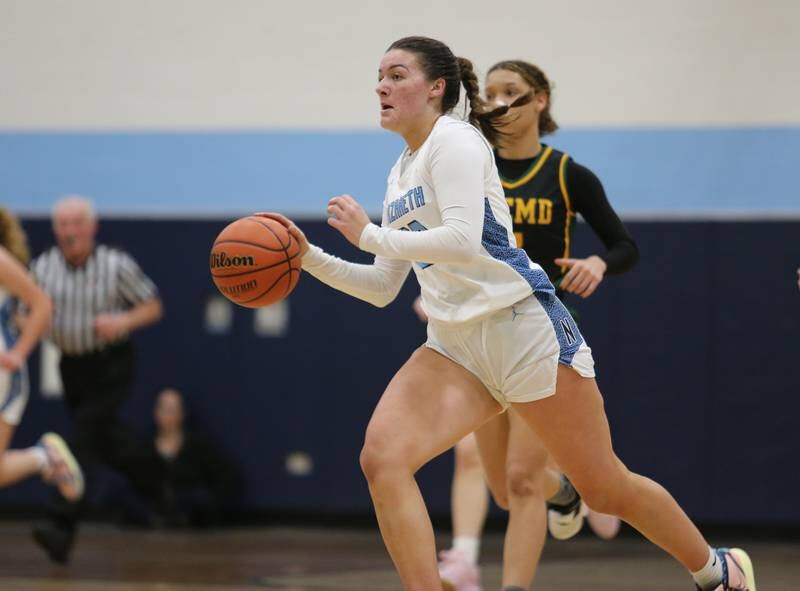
column 499, row 274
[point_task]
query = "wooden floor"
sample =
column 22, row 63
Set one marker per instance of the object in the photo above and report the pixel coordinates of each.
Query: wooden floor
column 294, row 559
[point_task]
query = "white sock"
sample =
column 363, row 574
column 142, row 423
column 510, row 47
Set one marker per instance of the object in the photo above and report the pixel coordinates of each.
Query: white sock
column 468, row 546
column 710, row 575
column 41, row 456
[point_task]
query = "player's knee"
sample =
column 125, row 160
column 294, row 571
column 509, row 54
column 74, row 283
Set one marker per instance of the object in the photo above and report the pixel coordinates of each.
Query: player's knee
column 501, row 498
column 603, row 496
column 468, row 457
column 381, row 458
column 524, row 482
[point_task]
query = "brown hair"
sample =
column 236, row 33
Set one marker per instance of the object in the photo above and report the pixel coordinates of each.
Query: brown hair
column 12, row 236
column 438, row 61
column 537, row 79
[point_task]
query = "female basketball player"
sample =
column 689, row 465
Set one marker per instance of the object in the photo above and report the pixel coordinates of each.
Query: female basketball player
column 544, row 189
column 51, row 457
column 497, row 335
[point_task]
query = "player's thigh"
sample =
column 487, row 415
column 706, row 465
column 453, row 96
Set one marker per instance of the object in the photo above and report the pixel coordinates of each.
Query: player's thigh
column 573, row 427
column 430, row 404
column 468, row 456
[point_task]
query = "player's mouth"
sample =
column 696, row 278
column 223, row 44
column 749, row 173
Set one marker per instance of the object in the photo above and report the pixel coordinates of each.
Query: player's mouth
column 385, row 108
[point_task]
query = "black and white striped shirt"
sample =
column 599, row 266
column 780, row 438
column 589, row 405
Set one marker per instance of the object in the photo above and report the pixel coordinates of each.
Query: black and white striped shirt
column 109, row 281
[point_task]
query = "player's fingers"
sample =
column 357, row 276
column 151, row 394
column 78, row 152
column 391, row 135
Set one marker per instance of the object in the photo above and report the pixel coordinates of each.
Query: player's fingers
column 568, row 279
column 590, row 290
column 565, row 262
column 274, row 216
column 335, row 223
column 580, row 285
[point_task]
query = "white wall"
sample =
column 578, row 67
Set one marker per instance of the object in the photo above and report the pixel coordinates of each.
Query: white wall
column 178, row 64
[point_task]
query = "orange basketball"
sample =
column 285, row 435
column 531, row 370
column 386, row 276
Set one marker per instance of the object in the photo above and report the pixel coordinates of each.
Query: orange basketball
column 255, row 262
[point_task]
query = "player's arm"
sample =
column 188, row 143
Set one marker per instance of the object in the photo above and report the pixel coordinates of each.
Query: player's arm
column 458, row 168
column 378, row 283
column 17, row 280
column 589, row 199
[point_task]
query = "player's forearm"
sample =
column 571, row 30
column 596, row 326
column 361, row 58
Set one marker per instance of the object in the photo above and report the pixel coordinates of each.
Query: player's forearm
column 34, row 325
column 377, row 284
column 445, row 244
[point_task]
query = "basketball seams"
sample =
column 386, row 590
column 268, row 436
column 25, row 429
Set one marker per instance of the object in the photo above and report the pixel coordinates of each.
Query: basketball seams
column 288, row 258
column 268, row 227
column 261, row 246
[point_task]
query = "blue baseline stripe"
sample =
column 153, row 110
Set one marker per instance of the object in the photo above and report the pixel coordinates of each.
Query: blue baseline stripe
column 209, row 173
column 495, row 241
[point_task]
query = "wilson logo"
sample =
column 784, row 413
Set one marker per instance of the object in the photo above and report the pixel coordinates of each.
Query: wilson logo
column 222, row 260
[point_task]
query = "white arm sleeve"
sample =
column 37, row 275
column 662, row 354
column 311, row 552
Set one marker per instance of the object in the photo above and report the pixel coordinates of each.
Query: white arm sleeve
column 377, row 284
column 458, row 170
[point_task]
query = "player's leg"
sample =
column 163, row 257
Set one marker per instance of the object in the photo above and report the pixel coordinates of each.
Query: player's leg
column 527, row 521
column 430, row 404
column 469, row 505
column 608, row 486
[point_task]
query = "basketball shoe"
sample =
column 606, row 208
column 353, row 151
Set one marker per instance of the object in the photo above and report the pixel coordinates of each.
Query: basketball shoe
column 456, row 573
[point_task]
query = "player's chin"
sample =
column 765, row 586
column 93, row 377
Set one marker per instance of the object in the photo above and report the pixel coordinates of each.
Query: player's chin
column 388, row 119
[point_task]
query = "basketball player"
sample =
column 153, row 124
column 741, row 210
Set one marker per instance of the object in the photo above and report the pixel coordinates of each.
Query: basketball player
column 498, row 336
column 50, row 457
column 544, row 189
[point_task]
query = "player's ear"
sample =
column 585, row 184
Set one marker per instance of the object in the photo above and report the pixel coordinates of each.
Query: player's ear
column 541, row 100
column 437, row 89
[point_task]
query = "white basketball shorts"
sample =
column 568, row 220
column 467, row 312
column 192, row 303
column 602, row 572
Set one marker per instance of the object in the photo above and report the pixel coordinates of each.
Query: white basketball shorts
column 515, row 351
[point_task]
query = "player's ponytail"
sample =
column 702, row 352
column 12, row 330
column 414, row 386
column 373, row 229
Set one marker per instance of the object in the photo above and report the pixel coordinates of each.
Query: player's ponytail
column 539, row 82
column 481, row 113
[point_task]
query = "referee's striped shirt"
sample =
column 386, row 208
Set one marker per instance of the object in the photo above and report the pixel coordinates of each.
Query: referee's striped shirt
column 109, row 281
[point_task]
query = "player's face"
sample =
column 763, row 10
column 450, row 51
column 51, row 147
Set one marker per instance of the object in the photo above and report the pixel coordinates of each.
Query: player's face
column 503, row 87
column 75, row 230
column 403, row 91
column 169, row 410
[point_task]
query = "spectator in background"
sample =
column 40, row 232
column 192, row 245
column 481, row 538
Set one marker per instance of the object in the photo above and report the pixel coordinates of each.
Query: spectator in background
column 198, row 483
column 100, row 296
column 50, row 457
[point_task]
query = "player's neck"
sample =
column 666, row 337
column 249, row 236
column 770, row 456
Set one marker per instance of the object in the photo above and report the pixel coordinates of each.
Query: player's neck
column 521, row 147
column 416, row 136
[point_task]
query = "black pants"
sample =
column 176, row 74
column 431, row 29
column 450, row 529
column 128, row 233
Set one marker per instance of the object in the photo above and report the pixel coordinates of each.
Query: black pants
column 95, row 387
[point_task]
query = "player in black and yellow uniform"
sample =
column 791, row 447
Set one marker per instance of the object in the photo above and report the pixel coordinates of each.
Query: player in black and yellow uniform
column 545, row 190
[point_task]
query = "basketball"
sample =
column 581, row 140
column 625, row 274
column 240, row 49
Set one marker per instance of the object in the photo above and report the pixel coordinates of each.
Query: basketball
column 255, row 262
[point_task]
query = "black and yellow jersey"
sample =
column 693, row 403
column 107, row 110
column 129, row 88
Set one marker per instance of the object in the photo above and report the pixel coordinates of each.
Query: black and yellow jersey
column 545, row 193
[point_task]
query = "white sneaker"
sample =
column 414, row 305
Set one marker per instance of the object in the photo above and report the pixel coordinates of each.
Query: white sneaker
column 63, row 469
column 565, row 521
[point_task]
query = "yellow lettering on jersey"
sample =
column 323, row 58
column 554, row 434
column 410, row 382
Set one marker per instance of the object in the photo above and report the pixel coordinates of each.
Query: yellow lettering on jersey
column 524, row 209
column 520, row 238
column 545, row 211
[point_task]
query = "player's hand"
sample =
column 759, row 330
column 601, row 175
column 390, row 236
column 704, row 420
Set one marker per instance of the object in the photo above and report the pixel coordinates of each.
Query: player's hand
column 296, row 232
column 110, row 327
column 421, row 314
column 347, row 216
column 11, row 361
column 584, row 275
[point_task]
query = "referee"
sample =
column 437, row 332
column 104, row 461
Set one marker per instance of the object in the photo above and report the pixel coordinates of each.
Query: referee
column 100, row 296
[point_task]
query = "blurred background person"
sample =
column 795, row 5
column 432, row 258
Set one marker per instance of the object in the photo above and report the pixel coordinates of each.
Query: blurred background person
column 50, row 457
column 100, row 297
column 198, row 483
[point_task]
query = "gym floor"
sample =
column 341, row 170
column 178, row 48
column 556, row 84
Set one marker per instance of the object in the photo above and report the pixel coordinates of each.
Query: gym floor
column 107, row 558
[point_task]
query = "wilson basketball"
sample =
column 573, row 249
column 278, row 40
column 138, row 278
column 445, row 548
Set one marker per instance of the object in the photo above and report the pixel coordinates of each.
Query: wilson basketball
column 255, row 262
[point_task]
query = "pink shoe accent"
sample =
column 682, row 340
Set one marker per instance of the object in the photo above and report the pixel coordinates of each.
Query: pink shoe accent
column 739, row 571
column 456, row 573
column 605, row 526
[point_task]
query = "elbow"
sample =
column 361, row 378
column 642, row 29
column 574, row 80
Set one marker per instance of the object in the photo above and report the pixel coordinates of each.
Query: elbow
column 384, row 299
